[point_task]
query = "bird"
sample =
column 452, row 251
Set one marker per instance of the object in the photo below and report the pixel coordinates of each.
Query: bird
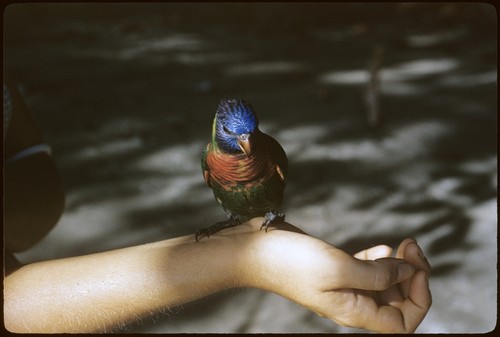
column 245, row 167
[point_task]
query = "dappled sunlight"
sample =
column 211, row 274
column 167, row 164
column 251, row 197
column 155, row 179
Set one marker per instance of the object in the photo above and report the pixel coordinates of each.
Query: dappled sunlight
column 470, row 80
column 345, row 77
column 402, row 88
column 488, row 164
column 395, row 80
column 435, row 39
column 174, row 42
column 419, row 68
column 205, row 58
column 100, row 151
column 183, row 158
column 445, row 189
column 300, row 139
column 405, row 144
column 258, row 68
column 97, row 212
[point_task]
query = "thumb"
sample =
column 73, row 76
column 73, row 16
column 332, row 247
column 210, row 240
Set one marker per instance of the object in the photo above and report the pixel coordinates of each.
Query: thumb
column 379, row 274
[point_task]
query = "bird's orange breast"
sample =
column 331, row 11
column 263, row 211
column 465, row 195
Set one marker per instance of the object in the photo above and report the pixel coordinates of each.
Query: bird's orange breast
column 231, row 169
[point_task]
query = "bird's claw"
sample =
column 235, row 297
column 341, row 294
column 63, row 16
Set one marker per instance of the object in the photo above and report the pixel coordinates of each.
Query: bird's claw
column 271, row 217
column 206, row 232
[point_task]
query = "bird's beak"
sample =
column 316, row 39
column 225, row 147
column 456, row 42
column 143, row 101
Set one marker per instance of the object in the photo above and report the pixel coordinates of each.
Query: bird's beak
column 245, row 144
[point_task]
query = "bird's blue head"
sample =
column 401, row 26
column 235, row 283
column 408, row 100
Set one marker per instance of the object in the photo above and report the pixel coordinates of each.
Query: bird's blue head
column 234, row 125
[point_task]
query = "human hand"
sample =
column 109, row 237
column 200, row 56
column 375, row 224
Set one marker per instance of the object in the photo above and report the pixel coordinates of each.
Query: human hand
column 370, row 290
column 402, row 306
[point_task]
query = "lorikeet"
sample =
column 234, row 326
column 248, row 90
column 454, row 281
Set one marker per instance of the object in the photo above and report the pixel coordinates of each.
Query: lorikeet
column 245, row 168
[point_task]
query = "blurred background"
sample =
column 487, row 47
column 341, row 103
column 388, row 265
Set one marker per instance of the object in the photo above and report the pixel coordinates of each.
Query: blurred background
column 387, row 111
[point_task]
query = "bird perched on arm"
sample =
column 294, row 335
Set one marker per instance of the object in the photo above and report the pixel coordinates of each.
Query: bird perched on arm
column 245, row 168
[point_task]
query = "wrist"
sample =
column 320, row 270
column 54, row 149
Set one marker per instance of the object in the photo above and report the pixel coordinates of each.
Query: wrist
column 289, row 262
column 237, row 255
column 265, row 259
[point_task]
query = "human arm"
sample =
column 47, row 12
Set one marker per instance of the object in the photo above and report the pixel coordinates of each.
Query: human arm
column 100, row 291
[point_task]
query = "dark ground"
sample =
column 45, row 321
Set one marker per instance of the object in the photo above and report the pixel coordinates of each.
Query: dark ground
column 125, row 94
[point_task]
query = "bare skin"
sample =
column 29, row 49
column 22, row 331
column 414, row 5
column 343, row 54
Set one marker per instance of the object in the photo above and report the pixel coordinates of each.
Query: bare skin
column 98, row 292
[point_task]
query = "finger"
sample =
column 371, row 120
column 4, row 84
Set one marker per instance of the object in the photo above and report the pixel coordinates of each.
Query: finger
column 374, row 253
column 391, row 296
column 411, row 252
column 388, row 318
column 374, row 275
column 417, row 305
column 367, row 314
column 402, row 246
column 409, row 249
column 420, row 293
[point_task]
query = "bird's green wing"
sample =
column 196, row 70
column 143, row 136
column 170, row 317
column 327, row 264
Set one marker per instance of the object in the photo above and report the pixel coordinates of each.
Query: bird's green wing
column 279, row 156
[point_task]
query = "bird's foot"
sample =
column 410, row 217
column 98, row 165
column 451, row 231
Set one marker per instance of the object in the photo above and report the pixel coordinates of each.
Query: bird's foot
column 231, row 222
column 270, row 217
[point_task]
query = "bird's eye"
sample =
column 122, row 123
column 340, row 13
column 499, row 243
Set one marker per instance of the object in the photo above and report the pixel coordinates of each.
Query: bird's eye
column 226, row 130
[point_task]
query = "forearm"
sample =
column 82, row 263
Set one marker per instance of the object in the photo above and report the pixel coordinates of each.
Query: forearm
column 100, row 291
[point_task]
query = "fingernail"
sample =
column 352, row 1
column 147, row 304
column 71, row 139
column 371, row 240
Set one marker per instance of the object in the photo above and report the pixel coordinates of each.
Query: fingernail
column 405, row 270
